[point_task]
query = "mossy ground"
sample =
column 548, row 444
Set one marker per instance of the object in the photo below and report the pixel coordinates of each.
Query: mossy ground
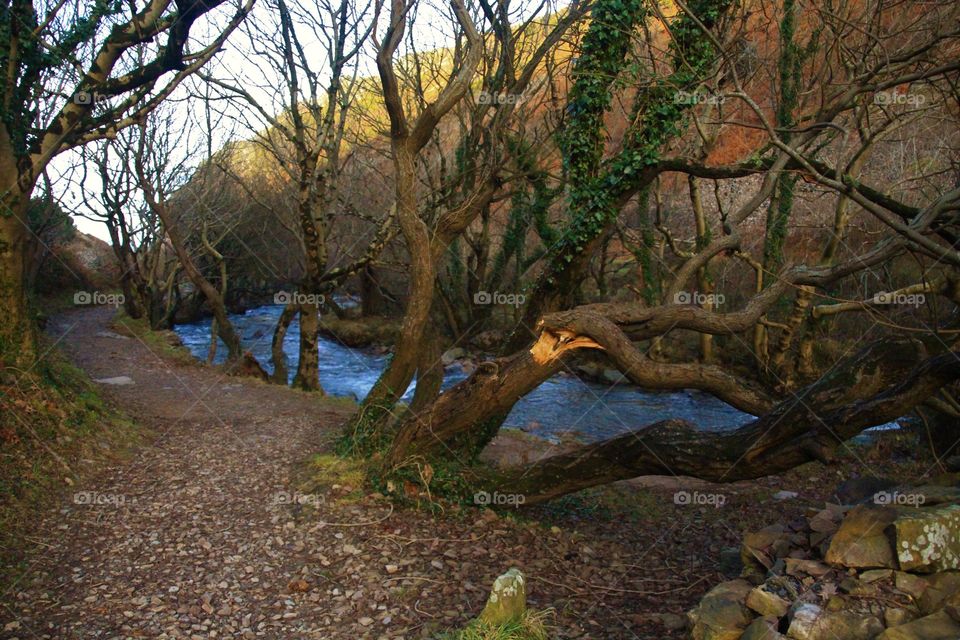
column 54, row 428
column 161, row 342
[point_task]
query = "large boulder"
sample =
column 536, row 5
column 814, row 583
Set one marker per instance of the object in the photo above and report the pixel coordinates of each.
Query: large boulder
column 721, row 614
column 861, row 542
column 928, row 539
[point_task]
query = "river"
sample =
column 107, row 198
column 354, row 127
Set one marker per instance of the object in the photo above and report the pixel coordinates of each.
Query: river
column 563, row 406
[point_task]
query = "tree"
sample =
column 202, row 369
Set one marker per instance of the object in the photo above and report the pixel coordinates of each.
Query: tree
column 887, row 378
column 148, row 271
column 76, row 74
column 430, row 225
column 301, row 124
column 165, row 179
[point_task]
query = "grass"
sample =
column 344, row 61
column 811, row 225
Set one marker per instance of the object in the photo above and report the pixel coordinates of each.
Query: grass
column 344, row 479
column 54, row 429
column 165, row 343
column 532, row 626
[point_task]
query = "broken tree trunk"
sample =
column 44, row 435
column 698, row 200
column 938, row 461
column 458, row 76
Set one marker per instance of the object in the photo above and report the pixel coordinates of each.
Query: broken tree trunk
column 880, row 383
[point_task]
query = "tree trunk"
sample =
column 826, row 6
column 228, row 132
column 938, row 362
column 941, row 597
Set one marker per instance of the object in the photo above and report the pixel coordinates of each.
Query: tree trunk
column 882, row 382
column 371, row 298
column 395, row 379
column 17, row 329
column 429, row 376
column 224, row 327
column 474, row 404
column 277, row 354
column 308, row 364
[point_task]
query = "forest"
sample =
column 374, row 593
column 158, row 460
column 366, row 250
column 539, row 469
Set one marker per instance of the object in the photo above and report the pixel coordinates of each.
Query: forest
column 480, row 319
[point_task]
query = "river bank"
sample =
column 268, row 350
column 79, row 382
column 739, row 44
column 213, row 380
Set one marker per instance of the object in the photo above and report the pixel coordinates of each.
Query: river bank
column 195, row 533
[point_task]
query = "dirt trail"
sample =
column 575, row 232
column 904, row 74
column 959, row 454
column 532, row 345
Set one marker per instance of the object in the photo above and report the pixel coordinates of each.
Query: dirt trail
column 190, row 538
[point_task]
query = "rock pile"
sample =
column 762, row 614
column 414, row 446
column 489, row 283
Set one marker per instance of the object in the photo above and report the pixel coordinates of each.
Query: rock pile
column 886, row 569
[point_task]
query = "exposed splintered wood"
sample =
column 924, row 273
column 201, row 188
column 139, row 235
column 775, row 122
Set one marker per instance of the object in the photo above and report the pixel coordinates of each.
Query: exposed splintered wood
column 882, row 382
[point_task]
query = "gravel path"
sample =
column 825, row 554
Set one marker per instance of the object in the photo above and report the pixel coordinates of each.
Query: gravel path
column 194, row 534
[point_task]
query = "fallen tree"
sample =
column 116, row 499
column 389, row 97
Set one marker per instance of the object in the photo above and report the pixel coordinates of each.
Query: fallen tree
column 883, row 381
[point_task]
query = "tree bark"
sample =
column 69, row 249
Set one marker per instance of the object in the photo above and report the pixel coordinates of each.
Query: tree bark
column 880, row 383
column 277, row 355
column 17, row 330
column 307, row 377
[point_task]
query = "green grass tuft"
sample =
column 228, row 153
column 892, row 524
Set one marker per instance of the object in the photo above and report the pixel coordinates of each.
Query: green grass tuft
column 532, row 626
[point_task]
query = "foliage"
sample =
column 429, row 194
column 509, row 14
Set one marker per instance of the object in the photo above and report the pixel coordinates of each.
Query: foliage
column 48, row 220
column 596, row 187
column 532, row 626
column 34, row 56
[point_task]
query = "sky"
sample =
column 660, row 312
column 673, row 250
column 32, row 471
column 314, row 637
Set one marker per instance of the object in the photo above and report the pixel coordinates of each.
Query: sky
column 239, row 64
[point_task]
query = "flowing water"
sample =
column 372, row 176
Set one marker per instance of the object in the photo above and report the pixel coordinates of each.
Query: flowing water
column 562, row 406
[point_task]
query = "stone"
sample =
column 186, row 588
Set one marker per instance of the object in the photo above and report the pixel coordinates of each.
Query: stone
column 452, row 355
column 759, row 549
column 928, row 540
column 952, row 606
column 765, row 601
column 857, row 587
column 762, row 629
column 896, row 616
column 910, row 584
column 810, row 622
column 796, row 567
column 508, row 599
column 940, row 586
column 119, row 381
column 938, row 626
column 860, row 542
column 875, row 575
column 721, row 614
column 785, row 495
column 826, row 521
column 730, row 562
column 671, row 621
column 932, row 495
column 613, row 376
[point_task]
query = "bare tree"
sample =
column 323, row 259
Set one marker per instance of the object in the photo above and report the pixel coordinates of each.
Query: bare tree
column 77, row 73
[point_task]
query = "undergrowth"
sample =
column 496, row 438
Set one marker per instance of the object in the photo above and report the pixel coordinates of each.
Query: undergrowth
column 165, row 343
column 54, row 428
column 532, row 626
